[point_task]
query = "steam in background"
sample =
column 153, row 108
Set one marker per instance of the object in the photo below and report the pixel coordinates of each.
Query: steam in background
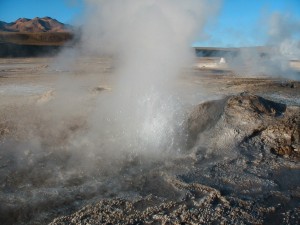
column 284, row 32
column 273, row 59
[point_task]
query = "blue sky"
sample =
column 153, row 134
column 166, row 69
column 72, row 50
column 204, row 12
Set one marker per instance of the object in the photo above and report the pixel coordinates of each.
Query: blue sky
column 63, row 10
column 244, row 22
column 239, row 23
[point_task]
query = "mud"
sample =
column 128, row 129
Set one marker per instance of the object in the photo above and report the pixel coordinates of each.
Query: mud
column 240, row 164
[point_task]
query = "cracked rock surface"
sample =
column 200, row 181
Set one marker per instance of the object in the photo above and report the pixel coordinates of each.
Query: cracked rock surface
column 243, row 168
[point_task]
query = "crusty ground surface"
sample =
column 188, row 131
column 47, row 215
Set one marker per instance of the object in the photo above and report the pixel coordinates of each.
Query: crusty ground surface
column 240, row 166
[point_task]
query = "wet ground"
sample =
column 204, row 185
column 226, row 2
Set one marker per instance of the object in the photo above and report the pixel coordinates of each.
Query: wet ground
column 240, row 165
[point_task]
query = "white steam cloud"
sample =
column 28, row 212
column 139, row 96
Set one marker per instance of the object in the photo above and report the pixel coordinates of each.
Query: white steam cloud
column 151, row 38
column 284, row 31
column 150, row 42
column 274, row 59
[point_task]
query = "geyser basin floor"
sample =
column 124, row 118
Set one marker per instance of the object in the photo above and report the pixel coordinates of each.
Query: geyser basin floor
column 45, row 175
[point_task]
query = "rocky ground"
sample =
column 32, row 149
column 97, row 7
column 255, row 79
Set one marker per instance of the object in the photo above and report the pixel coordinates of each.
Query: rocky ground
column 243, row 169
column 240, row 163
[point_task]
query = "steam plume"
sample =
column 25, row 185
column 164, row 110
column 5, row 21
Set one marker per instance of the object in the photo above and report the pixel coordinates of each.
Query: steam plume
column 282, row 45
column 284, row 32
column 150, row 38
column 150, row 42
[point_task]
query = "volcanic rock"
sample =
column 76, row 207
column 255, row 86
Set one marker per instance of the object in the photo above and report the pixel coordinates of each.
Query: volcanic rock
column 234, row 173
column 236, row 119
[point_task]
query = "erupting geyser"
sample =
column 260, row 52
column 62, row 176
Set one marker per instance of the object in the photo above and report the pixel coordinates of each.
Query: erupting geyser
column 103, row 131
column 150, row 41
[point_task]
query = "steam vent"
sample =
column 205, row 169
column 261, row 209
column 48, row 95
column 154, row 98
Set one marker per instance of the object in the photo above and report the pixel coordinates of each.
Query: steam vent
column 146, row 112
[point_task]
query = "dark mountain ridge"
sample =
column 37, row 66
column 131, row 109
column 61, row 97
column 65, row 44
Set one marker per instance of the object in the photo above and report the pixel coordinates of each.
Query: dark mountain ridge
column 45, row 24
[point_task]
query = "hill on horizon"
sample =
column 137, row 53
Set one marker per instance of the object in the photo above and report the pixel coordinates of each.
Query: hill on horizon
column 35, row 37
column 36, row 25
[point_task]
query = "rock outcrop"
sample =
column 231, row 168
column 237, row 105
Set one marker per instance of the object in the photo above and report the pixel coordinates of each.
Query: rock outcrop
column 243, row 117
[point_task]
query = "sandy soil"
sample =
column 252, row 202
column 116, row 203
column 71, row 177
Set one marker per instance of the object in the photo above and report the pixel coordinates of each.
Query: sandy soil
column 232, row 172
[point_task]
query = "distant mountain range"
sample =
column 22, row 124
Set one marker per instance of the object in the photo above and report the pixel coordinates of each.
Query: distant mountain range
column 35, row 37
column 35, row 25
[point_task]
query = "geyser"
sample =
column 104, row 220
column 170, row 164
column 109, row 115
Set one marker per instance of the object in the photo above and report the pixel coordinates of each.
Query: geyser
column 150, row 42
